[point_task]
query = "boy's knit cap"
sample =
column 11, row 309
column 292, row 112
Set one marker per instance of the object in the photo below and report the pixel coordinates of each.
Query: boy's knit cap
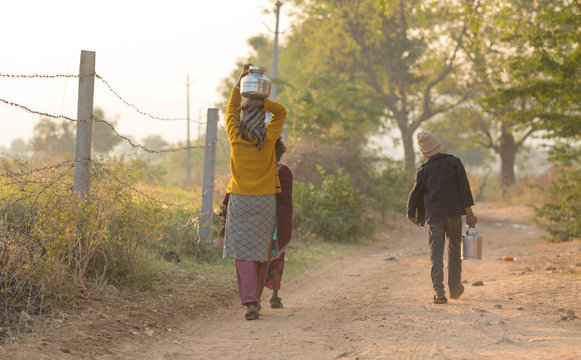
column 428, row 143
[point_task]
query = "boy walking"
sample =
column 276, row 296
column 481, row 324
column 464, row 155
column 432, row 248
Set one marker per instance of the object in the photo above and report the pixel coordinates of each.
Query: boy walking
column 440, row 196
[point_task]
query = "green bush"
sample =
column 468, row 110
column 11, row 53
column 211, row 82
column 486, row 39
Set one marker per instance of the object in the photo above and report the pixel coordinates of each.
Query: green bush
column 391, row 187
column 335, row 211
column 560, row 216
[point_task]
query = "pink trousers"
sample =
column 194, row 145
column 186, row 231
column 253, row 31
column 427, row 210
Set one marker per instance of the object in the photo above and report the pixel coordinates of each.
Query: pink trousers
column 251, row 276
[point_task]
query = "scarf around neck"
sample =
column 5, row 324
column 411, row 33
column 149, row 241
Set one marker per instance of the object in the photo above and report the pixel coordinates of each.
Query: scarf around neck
column 253, row 124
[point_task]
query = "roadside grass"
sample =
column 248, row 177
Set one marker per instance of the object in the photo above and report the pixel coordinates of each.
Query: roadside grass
column 214, row 274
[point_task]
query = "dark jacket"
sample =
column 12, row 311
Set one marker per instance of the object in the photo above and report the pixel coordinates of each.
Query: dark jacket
column 441, row 190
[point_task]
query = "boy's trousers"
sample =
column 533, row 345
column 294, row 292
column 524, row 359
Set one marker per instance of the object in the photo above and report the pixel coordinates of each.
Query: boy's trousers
column 450, row 228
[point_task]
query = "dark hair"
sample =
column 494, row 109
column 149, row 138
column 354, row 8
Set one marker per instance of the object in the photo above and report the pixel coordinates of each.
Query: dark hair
column 279, row 148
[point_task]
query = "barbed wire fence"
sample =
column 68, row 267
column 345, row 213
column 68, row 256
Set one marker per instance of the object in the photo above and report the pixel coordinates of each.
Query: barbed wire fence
column 85, row 119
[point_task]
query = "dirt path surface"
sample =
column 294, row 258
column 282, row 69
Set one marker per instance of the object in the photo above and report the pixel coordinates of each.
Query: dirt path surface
column 376, row 304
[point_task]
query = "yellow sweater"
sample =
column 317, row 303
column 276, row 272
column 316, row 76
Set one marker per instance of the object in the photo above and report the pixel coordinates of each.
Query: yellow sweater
column 253, row 172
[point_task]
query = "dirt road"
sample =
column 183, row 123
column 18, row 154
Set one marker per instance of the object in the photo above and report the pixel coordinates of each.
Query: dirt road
column 376, row 304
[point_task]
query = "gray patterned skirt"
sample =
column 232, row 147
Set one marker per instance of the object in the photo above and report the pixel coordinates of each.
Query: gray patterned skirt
column 249, row 227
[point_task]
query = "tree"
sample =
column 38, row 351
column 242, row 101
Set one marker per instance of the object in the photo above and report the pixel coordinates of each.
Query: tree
column 153, row 142
column 60, row 138
column 51, row 137
column 488, row 50
column 546, row 76
column 104, row 139
column 403, row 59
column 325, row 100
column 18, row 145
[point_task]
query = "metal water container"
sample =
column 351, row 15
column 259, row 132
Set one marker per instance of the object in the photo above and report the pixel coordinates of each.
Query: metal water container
column 255, row 85
column 471, row 245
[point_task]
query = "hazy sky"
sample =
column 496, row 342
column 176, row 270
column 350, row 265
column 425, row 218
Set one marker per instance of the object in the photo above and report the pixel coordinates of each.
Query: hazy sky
column 144, row 50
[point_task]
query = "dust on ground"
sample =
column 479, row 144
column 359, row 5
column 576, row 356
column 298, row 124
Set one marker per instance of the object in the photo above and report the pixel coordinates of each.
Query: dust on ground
column 373, row 304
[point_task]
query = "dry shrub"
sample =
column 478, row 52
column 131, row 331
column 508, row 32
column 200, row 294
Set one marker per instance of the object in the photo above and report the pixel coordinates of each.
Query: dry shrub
column 303, row 157
column 54, row 246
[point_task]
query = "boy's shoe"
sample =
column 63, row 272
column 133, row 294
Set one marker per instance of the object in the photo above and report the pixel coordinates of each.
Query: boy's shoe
column 458, row 293
column 275, row 303
column 440, row 299
column 251, row 312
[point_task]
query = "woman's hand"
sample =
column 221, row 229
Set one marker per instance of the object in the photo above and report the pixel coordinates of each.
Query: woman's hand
column 245, row 71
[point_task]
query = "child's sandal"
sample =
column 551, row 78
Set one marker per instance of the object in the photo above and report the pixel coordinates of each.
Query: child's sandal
column 275, row 303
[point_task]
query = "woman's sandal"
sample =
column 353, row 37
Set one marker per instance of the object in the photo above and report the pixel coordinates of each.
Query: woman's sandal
column 275, row 303
column 251, row 312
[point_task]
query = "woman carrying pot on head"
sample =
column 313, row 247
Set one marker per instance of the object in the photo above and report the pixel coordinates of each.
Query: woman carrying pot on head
column 254, row 182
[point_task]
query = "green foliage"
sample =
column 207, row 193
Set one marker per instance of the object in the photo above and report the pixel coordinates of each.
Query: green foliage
column 354, row 68
column 487, row 129
column 392, row 186
column 335, row 211
column 546, row 73
column 545, row 78
column 560, row 216
column 349, row 69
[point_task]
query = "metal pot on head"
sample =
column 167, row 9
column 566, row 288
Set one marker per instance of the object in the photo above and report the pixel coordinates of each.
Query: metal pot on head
column 255, row 85
column 471, row 245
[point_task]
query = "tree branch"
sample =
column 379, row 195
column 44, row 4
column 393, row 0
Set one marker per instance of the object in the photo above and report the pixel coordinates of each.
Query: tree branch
column 525, row 136
column 490, row 144
column 372, row 76
column 427, row 111
column 400, row 72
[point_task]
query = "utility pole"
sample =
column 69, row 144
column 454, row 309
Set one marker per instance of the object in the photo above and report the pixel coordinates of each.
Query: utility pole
column 275, row 53
column 273, row 89
column 188, row 156
column 84, row 124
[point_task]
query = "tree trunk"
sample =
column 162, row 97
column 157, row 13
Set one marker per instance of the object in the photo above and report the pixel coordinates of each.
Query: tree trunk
column 508, row 148
column 408, row 148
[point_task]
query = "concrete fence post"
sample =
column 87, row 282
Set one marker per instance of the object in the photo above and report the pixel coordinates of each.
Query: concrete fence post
column 84, row 124
column 209, row 168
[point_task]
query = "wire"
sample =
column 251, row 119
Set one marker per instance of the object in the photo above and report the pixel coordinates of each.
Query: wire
column 133, row 144
column 55, row 76
column 48, row 167
column 147, row 149
column 140, row 111
column 38, row 112
column 36, row 76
